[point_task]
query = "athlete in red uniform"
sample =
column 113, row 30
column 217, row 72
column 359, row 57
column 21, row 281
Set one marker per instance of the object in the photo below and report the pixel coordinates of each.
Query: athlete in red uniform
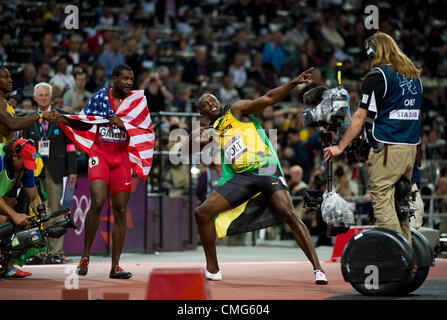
column 109, row 158
column 109, row 169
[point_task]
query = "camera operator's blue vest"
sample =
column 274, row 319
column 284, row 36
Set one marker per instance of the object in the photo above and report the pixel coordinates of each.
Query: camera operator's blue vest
column 397, row 120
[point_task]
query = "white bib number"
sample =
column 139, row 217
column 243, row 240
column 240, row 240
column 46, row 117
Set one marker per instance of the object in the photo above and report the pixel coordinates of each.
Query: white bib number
column 235, row 148
column 111, row 134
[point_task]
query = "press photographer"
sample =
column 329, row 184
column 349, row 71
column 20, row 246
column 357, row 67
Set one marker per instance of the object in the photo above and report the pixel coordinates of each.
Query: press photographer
column 17, row 164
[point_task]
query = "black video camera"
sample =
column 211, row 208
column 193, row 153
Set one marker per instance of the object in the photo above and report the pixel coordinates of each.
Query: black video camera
column 357, row 151
column 15, row 241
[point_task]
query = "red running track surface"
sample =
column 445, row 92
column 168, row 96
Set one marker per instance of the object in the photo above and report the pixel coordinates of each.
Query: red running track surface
column 282, row 280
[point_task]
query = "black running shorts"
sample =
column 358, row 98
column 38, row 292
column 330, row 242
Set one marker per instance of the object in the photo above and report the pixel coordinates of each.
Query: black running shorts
column 245, row 185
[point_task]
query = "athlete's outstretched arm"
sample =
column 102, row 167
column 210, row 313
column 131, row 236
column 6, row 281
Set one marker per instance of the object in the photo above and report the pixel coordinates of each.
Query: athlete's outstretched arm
column 18, row 123
column 245, row 107
column 75, row 124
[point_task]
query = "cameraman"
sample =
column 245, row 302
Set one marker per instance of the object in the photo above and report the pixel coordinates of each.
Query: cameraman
column 389, row 108
column 17, row 163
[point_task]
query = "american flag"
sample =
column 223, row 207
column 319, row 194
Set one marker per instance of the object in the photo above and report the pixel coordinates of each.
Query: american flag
column 134, row 113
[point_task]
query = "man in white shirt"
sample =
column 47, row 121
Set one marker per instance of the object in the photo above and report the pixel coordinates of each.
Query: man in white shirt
column 62, row 78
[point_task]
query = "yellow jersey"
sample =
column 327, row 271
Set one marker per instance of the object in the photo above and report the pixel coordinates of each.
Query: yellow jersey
column 244, row 145
column 10, row 135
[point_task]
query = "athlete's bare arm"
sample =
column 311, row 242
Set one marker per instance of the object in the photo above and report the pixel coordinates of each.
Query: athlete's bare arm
column 18, row 123
column 75, row 124
column 246, row 107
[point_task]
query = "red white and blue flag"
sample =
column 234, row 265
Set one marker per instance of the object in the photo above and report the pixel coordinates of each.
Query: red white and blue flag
column 134, row 113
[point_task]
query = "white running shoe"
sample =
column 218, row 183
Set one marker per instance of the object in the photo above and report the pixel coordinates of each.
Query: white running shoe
column 320, row 278
column 213, row 276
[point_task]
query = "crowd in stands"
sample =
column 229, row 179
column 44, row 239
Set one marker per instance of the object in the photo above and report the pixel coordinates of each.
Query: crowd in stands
column 235, row 49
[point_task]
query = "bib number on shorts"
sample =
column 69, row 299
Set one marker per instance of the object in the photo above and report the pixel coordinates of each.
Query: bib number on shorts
column 235, row 148
column 93, row 161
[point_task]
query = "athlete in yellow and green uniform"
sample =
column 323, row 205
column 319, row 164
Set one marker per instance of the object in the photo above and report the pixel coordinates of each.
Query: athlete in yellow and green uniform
column 249, row 166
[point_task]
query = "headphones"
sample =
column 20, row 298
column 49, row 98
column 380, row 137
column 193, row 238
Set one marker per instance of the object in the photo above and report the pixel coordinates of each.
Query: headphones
column 370, row 47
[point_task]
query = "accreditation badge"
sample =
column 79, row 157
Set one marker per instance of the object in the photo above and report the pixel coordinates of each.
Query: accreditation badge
column 44, row 148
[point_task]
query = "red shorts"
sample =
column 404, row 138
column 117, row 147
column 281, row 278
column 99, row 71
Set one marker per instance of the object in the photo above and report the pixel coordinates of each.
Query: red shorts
column 109, row 161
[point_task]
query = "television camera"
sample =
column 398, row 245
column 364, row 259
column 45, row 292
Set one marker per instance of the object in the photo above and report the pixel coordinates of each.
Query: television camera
column 329, row 110
column 15, row 241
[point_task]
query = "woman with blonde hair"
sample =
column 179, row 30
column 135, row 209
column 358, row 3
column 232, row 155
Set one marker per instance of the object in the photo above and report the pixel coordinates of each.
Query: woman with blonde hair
column 389, row 114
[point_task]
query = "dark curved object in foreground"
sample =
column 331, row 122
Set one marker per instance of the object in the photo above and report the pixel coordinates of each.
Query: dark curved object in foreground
column 381, row 262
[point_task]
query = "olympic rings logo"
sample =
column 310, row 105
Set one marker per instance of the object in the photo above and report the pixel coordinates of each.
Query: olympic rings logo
column 80, row 212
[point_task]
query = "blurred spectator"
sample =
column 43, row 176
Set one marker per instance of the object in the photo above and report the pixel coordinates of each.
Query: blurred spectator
column 198, row 69
column 227, row 92
column 155, row 92
column 58, row 102
column 25, row 84
column 98, row 79
column 298, row 153
column 97, row 41
column 75, row 99
column 105, row 16
column 182, row 101
column 62, row 79
column 53, row 18
column 23, row 50
column 43, row 72
column 239, row 45
column 296, row 36
column 175, row 80
column 133, row 58
column 150, row 37
column 44, row 52
column 297, row 188
column 163, row 71
column 27, row 104
column 5, row 47
column 331, row 35
column 166, row 11
column 435, row 146
column 311, row 56
column 292, row 65
column 86, row 55
column 73, row 55
column 208, row 179
column 112, row 57
column 257, row 73
column 273, row 51
column 237, row 72
column 149, row 58
column 344, row 183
